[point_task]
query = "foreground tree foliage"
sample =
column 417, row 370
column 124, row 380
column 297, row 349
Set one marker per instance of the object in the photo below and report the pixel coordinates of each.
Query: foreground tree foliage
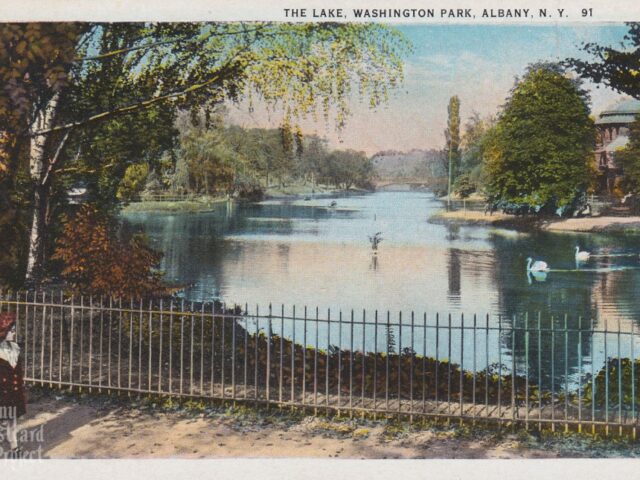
column 540, row 151
column 615, row 68
column 618, row 69
column 97, row 262
column 69, row 87
column 31, row 55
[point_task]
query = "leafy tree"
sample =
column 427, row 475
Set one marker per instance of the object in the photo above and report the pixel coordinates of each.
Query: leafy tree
column 248, row 159
column 464, row 186
column 283, row 153
column 540, row 151
column 210, row 162
column 452, row 135
column 133, row 182
column 314, row 154
column 63, row 80
column 618, row 69
column 291, row 148
column 346, row 168
column 260, row 152
column 153, row 184
column 179, row 179
column 473, row 146
column 97, row 262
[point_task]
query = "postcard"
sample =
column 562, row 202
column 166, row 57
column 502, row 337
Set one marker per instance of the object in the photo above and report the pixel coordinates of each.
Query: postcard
column 313, row 233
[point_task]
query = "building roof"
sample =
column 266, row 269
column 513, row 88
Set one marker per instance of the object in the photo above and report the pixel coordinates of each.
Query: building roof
column 615, row 119
column 623, row 112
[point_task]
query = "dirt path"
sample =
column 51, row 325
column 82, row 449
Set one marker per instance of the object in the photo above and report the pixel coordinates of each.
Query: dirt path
column 594, row 224
column 64, row 426
column 586, row 224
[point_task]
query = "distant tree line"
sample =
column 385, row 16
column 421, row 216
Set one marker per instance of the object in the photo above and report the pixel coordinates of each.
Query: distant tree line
column 211, row 157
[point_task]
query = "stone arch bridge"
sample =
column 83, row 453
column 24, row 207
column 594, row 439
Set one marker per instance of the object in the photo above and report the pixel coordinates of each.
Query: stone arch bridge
column 381, row 183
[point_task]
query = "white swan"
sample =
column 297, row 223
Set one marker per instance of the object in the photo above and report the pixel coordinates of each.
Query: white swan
column 537, row 266
column 582, row 256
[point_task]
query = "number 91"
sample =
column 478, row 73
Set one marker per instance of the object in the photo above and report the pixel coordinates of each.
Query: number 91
column 587, row 12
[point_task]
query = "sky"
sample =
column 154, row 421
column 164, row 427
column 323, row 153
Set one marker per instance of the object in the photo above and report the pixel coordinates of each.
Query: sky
column 479, row 63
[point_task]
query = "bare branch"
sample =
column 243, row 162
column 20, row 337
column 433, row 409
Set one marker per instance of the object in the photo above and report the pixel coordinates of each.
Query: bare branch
column 220, row 76
column 55, row 157
column 122, row 51
column 128, row 108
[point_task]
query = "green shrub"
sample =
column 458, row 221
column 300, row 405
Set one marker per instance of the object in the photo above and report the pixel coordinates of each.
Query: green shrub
column 133, row 182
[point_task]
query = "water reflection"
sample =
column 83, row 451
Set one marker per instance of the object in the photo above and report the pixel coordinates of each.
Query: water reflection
column 374, row 262
column 453, row 231
column 537, row 276
column 453, row 276
column 308, row 253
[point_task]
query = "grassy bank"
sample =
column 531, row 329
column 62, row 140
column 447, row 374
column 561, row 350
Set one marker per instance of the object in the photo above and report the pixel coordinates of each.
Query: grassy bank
column 595, row 225
column 587, row 224
column 207, row 203
column 200, row 204
column 472, row 217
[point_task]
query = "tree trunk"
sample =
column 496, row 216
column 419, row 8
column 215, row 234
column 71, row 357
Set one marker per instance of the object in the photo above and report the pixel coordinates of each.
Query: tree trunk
column 37, row 238
column 8, row 155
column 40, row 175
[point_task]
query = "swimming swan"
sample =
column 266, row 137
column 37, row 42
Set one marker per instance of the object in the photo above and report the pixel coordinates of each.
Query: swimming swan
column 582, row 256
column 537, row 266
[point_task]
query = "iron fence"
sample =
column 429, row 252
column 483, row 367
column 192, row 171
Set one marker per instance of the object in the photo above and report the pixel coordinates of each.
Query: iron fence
column 543, row 372
column 179, row 197
column 598, row 206
column 457, row 205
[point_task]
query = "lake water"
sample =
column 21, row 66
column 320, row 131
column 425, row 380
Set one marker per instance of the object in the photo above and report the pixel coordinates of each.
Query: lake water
column 306, row 253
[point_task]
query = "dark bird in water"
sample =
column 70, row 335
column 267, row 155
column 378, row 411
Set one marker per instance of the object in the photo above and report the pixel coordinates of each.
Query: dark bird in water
column 333, row 204
column 375, row 241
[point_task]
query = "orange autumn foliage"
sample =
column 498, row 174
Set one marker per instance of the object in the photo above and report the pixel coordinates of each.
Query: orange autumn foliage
column 97, row 262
